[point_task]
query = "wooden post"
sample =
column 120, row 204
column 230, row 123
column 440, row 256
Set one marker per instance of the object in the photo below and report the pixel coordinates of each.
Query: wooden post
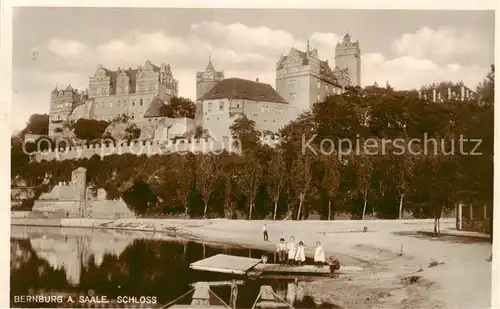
column 234, row 294
column 459, row 217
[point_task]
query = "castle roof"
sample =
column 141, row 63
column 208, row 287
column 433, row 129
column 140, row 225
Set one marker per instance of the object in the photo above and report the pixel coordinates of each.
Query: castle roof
column 131, row 73
column 325, row 70
column 347, row 38
column 237, row 88
column 69, row 88
column 210, row 66
column 154, row 109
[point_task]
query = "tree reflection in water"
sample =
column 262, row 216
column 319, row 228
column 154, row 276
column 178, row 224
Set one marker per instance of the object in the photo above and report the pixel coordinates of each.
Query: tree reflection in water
column 144, row 268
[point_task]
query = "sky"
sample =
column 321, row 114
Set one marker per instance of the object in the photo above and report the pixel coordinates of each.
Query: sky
column 407, row 48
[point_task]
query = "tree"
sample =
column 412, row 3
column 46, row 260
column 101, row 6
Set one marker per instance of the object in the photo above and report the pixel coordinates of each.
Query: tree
column 207, row 174
column 140, row 197
column 249, row 178
column 276, row 178
column 244, row 130
column 178, row 107
column 229, row 171
column 331, row 179
column 486, row 89
column 185, row 178
column 89, row 129
column 133, row 132
column 301, row 179
column 182, row 107
column 37, row 124
column 364, row 165
column 403, row 166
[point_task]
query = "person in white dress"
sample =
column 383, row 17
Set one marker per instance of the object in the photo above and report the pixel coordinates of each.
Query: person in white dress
column 319, row 255
column 300, row 257
column 291, row 247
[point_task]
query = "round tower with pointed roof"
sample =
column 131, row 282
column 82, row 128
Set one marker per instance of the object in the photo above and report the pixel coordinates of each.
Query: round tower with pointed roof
column 348, row 56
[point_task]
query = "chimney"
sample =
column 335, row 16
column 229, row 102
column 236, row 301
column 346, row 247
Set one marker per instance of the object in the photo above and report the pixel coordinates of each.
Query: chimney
column 257, row 80
column 433, row 95
column 449, row 93
column 462, row 92
column 308, row 47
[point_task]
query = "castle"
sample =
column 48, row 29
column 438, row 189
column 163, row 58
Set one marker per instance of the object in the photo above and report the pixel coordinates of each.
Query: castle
column 302, row 79
column 112, row 94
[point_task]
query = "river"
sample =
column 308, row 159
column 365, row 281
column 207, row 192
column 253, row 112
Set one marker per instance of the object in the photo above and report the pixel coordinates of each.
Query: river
column 111, row 263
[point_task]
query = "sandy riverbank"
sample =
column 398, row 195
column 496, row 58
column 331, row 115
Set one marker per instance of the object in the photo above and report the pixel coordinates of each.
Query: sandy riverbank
column 463, row 281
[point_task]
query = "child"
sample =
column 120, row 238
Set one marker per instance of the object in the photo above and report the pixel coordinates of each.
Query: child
column 300, row 257
column 292, row 250
column 264, row 231
column 281, row 249
column 319, row 255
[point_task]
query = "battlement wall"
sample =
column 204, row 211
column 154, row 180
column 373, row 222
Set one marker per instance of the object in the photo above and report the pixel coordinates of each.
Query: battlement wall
column 148, row 148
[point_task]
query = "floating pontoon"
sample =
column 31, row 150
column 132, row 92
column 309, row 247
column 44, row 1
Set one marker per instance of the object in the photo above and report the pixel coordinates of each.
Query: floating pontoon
column 247, row 266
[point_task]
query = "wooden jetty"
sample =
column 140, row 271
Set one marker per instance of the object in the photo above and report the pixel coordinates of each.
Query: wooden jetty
column 302, row 270
column 247, row 266
column 268, row 299
column 228, row 264
column 202, row 297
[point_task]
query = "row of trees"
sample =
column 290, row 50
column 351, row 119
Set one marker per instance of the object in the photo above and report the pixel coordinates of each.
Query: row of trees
column 293, row 181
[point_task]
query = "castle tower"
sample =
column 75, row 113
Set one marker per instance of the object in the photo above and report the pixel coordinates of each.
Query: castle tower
column 348, row 56
column 303, row 79
column 61, row 105
column 205, row 81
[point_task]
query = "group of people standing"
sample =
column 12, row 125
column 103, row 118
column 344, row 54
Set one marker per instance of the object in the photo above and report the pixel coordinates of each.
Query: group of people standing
column 291, row 253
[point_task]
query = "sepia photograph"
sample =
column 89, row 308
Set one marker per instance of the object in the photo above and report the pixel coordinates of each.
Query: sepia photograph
column 243, row 158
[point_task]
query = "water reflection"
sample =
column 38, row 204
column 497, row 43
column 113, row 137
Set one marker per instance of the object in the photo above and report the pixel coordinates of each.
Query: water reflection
column 72, row 261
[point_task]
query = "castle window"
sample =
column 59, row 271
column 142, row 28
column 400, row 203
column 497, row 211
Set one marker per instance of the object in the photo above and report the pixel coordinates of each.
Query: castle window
column 293, row 95
column 265, row 109
column 151, row 87
column 110, row 103
column 326, row 88
column 319, row 84
column 140, row 102
column 133, row 102
column 318, row 97
column 221, row 106
column 209, row 107
column 292, row 83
